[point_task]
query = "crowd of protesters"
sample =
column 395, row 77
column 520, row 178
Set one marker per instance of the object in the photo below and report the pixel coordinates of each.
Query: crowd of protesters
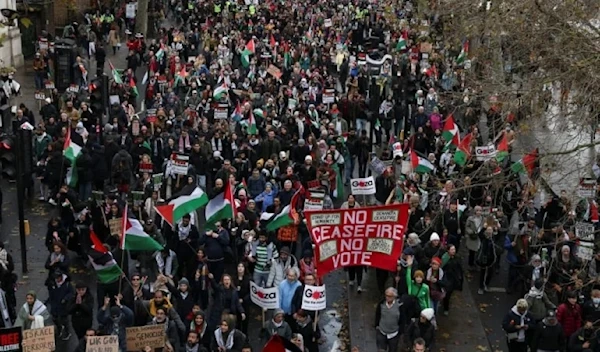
column 244, row 91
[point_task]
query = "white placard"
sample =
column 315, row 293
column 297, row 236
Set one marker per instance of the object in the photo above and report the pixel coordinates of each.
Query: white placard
column 485, row 153
column 266, row 298
column 363, row 186
column 314, row 298
column 328, row 23
column 130, row 10
column 397, row 150
column 221, row 113
column 180, row 164
column 585, row 250
column 328, row 98
column 313, row 204
column 585, row 231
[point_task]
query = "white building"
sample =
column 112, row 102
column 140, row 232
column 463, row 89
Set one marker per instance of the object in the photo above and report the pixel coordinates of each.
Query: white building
column 11, row 53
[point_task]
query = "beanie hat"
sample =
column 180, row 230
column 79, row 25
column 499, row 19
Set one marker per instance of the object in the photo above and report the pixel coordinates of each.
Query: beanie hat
column 278, row 311
column 184, row 281
column 434, row 237
column 428, row 313
column 436, row 260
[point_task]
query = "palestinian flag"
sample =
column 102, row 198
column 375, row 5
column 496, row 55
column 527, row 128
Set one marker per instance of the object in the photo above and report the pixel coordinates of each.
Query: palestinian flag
column 338, row 193
column 134, row 238
column 502, row 149
column 463, row 153
column 250, row 49
column 191, row 199
column 251, row 124
column 464, row 53
column 105, row 266
column 288, row 215
column 272, row 41
column 220, row 207
column 220, row 91
column 96, row 243
column 450, row 133
column 280, row 344
column 420, row 165
column 116, row 75
column 287, row 56
column 460, row 208
column 402, row 41
column 71, row 152
column 259, row 112
column 237, row 113
column 159, row 54
column 526, row 164
column 377, row 124
column 133, row 86
column 181, row 75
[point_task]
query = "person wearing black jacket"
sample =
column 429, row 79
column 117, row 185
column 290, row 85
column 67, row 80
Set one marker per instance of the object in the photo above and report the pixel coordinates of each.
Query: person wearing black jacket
column 81, row 309
column 384, row 184
column 184, row 241
column 241, row 281
column 182, row 297
column 304, row 326
column 518, row 324
column 99, row 169
column 549, row 335
column 585, row 339
column 60, row 293
column 362, row 148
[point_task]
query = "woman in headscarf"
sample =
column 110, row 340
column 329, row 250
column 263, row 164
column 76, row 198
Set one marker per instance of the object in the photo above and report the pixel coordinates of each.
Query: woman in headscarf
column 227, row 337
column 33, row 312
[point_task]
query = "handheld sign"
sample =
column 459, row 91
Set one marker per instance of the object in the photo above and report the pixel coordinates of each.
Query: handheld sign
column 266, row 298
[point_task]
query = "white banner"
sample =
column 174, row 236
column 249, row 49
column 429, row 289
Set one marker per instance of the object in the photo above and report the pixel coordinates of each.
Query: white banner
column 179, row 164
column 485, row 153
column 313, row 298
column 362, row 186
column 313, row 204
column 266, row 298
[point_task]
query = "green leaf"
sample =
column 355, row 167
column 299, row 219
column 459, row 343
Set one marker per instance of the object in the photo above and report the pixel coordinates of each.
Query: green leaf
column 26, row 22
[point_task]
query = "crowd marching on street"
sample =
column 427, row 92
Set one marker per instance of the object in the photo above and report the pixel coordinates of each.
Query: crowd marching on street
column 233, row 118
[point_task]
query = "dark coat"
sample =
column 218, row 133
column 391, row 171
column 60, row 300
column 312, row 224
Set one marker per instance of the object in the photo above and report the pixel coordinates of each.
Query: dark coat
column 82, row 315
column 59, row 296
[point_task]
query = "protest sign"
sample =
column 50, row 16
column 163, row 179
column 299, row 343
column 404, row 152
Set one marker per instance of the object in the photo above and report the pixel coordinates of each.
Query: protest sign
column 585, row 231
column 138, row 198
column 157, row 180
column 139, row 337
column 266, row 298
column 485, row 153
column 366, row 236
column 362, row 186
column 180, row 164
column 39, row 340
column 146, row 167
column 102, row 343
column 328, row 23
column 313, row 298
column 221, row 113
column 329, row 96
column 377, row 166
column 274, row 71
column 313, row 204
column 11, row 339
column 397, row 150
column 585, row 250
column 115, row 226
column 587, row 188
column 130, row 10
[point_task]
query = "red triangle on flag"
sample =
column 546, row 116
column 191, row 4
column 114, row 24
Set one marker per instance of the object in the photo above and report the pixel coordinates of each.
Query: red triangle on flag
column 96, row 243
column 166, row 212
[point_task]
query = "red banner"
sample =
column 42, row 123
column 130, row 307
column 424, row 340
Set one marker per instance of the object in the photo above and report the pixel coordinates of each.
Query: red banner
column 365, row 236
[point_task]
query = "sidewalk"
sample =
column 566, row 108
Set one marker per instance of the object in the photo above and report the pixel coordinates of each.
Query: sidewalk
column 460, row 331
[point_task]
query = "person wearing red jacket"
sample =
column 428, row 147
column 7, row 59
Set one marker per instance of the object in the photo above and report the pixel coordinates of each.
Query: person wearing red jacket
column 569, row 314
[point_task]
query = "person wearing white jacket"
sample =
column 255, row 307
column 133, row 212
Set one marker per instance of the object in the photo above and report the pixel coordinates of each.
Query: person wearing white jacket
column 280, row 266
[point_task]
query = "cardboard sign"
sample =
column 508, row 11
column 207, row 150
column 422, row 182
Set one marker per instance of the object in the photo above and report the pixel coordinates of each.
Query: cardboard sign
column 587, row 188
column 11, row 339
column 115, row 226
column 266, row 298
column 485, row 153
column 363, row 186
column 102, row 343
column 39, row 340
column 274, row 71
column 313, row 298
column 139, row 337
column 366, row 236
column 180, row 164
column 313, row 204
